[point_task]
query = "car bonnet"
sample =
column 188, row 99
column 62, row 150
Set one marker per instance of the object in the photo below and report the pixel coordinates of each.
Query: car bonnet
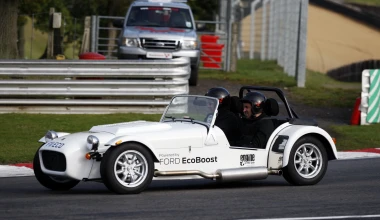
column 131, row 127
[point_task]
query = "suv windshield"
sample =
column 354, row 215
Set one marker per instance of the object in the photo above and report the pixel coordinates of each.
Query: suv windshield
column 193, row 108
column 160, row 17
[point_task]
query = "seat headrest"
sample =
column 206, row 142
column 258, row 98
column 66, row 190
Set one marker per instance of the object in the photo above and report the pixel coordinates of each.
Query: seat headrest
column 271, row 107
column 236, row 105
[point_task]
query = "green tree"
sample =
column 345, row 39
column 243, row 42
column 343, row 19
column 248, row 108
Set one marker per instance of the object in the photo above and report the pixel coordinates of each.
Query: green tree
column 204, row 9
column 39, row 9
column 73, row 14
column 8, row 27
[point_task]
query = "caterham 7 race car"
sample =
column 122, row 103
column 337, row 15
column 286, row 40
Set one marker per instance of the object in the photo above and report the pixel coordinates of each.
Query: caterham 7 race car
column 184, row 144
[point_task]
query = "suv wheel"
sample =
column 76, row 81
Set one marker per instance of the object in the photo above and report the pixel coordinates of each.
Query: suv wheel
column 193, row 81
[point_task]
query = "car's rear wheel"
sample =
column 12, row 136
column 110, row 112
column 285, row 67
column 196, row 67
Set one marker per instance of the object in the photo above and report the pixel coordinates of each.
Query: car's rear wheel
column 307, row 162
column 50, row 182
column 127, row 169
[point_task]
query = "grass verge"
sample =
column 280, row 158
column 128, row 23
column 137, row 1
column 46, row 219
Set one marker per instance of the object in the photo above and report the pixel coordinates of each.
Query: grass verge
column 252, row 72
column 357, row 137
column 320, row 90
column 20, row 132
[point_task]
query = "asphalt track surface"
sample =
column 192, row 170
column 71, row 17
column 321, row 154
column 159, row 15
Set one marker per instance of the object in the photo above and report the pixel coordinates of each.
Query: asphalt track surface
column 350, row 188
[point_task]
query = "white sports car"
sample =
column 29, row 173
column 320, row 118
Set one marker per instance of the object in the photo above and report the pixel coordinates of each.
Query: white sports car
column 184, row 144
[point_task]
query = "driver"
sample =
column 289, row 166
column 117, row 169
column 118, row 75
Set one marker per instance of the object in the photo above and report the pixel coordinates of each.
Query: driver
column 253, row 105
column 225, row 119
column 257, row 129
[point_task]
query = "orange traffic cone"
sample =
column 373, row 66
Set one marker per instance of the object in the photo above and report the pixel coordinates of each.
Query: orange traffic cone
column 355, row 117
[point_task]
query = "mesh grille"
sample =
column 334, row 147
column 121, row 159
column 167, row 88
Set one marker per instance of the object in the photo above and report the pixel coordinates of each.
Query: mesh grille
column 53, row 160
column 156, row 44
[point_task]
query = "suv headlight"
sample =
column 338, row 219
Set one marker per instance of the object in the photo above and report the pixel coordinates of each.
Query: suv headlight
column 50, row 135
column 189, row 45
column 92, row 142
column 131, row 42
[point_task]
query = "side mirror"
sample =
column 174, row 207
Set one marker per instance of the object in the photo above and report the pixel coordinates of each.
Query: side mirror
column 118, row 23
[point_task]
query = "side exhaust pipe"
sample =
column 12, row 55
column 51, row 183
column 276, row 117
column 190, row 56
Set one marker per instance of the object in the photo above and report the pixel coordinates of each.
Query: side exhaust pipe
column 241, row 174
column 186, row 173
column 275, row 172
column 226, row 175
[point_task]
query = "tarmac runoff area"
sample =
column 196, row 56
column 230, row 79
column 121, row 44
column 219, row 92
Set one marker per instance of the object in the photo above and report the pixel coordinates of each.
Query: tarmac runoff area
column 25, row 169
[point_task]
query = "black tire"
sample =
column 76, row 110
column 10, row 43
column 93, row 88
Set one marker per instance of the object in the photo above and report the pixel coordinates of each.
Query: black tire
column 317, row 158
column 53, row 183
column 137, row 156
column 193, row 81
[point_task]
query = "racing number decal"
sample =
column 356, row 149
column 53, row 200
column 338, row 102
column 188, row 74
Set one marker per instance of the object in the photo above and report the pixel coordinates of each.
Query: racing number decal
column 247, row 159
column 54, row 144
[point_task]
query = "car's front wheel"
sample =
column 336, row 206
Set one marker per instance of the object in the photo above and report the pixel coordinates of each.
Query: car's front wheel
column 307, row 162
column 127, row 169
column 50, row 182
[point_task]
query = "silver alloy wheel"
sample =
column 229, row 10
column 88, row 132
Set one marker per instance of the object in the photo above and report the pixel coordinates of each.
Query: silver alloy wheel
column 308, row 160
column 131, row 168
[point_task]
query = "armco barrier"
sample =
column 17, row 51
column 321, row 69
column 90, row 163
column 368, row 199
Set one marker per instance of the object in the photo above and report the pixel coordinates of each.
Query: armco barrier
column 91, row 56
column 370, row 97
column 48, row 86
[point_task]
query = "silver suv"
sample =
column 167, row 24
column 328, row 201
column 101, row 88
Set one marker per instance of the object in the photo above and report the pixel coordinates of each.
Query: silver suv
column 159, row 29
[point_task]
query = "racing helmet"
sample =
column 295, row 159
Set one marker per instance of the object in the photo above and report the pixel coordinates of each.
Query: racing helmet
column 220, row 93
column 257, row 101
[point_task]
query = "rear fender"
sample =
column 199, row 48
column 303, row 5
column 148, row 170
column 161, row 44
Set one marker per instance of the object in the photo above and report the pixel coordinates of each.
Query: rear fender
column 275, row 157
column 295, row 132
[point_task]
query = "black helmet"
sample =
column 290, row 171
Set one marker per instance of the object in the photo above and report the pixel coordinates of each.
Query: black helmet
column 256, row 99
column 220, row 93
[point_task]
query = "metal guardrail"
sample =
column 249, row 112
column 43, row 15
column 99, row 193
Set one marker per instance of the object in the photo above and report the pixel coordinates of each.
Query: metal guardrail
column 83, row 86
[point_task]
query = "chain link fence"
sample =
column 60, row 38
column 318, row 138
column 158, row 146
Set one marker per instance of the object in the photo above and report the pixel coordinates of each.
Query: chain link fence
column 273, row 30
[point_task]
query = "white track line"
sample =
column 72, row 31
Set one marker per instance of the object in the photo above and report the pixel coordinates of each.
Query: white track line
column 315, row 218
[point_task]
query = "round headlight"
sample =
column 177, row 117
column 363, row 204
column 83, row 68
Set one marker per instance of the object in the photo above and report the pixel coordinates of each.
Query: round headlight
column 92, row 142
column 50, row 135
